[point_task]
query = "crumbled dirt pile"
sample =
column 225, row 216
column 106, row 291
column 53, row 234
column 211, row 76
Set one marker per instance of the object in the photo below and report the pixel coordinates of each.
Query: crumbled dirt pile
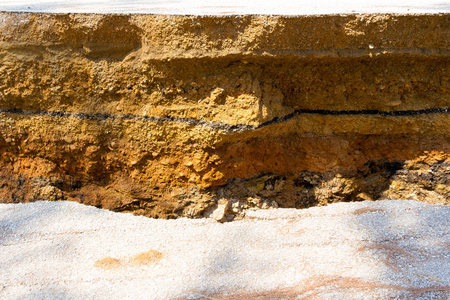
column 171, row 116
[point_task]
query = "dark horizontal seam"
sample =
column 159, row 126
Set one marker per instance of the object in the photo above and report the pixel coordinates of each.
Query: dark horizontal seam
column 156, row 119
column 368, row 112
column 224, row 126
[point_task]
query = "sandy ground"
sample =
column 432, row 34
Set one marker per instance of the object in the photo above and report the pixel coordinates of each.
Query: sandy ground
column 229, row 7
column 361, row 250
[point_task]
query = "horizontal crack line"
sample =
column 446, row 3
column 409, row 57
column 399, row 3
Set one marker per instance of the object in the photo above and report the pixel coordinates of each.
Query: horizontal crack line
column 223, row 126
column 369, row 112
column 156, row 119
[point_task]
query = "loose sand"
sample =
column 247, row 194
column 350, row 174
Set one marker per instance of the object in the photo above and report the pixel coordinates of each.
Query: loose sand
column 359, row 250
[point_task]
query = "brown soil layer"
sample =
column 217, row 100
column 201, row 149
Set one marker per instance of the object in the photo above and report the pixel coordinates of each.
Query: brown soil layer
column 171, row 116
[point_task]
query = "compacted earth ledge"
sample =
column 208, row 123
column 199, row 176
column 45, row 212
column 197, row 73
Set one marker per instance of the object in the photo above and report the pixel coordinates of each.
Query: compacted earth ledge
column 169, row 116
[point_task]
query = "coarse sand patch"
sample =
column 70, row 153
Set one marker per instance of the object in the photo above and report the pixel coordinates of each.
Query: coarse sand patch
column 359, row 250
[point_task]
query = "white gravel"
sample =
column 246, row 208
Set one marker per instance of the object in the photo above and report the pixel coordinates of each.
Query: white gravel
column 229, row 7
column 360, row 250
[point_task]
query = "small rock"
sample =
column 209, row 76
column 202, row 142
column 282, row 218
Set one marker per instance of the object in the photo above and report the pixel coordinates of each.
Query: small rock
column 218, row 213
column 364, row 196
column 49, row 193
column 218, row 95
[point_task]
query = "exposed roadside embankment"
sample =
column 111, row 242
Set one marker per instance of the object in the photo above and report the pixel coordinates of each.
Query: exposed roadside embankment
column 172, row 116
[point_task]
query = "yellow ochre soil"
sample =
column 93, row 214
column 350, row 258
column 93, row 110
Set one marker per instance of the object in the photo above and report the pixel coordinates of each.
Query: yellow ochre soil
column 169, row 116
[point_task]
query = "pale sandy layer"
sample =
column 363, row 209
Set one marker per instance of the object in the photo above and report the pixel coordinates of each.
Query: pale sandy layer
column 228, row 7
column 360, row 250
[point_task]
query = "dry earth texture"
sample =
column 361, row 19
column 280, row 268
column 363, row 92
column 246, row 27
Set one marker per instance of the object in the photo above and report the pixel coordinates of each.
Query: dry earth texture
column 169, row 116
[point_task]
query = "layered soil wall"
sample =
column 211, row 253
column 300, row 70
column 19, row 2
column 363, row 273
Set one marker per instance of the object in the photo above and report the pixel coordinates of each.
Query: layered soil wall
column 171, row 116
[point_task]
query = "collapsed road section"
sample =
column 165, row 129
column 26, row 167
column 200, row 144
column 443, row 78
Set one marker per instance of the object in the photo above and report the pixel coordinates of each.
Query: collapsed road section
column 169, row 116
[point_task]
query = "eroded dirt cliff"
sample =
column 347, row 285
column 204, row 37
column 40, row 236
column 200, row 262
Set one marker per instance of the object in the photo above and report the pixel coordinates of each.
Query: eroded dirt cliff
column 171, row 116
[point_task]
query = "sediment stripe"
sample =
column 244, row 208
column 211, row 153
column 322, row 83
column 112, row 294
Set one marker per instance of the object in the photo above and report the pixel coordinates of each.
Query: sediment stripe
column 100, row 116
column 324, row 112
column 223, row 126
